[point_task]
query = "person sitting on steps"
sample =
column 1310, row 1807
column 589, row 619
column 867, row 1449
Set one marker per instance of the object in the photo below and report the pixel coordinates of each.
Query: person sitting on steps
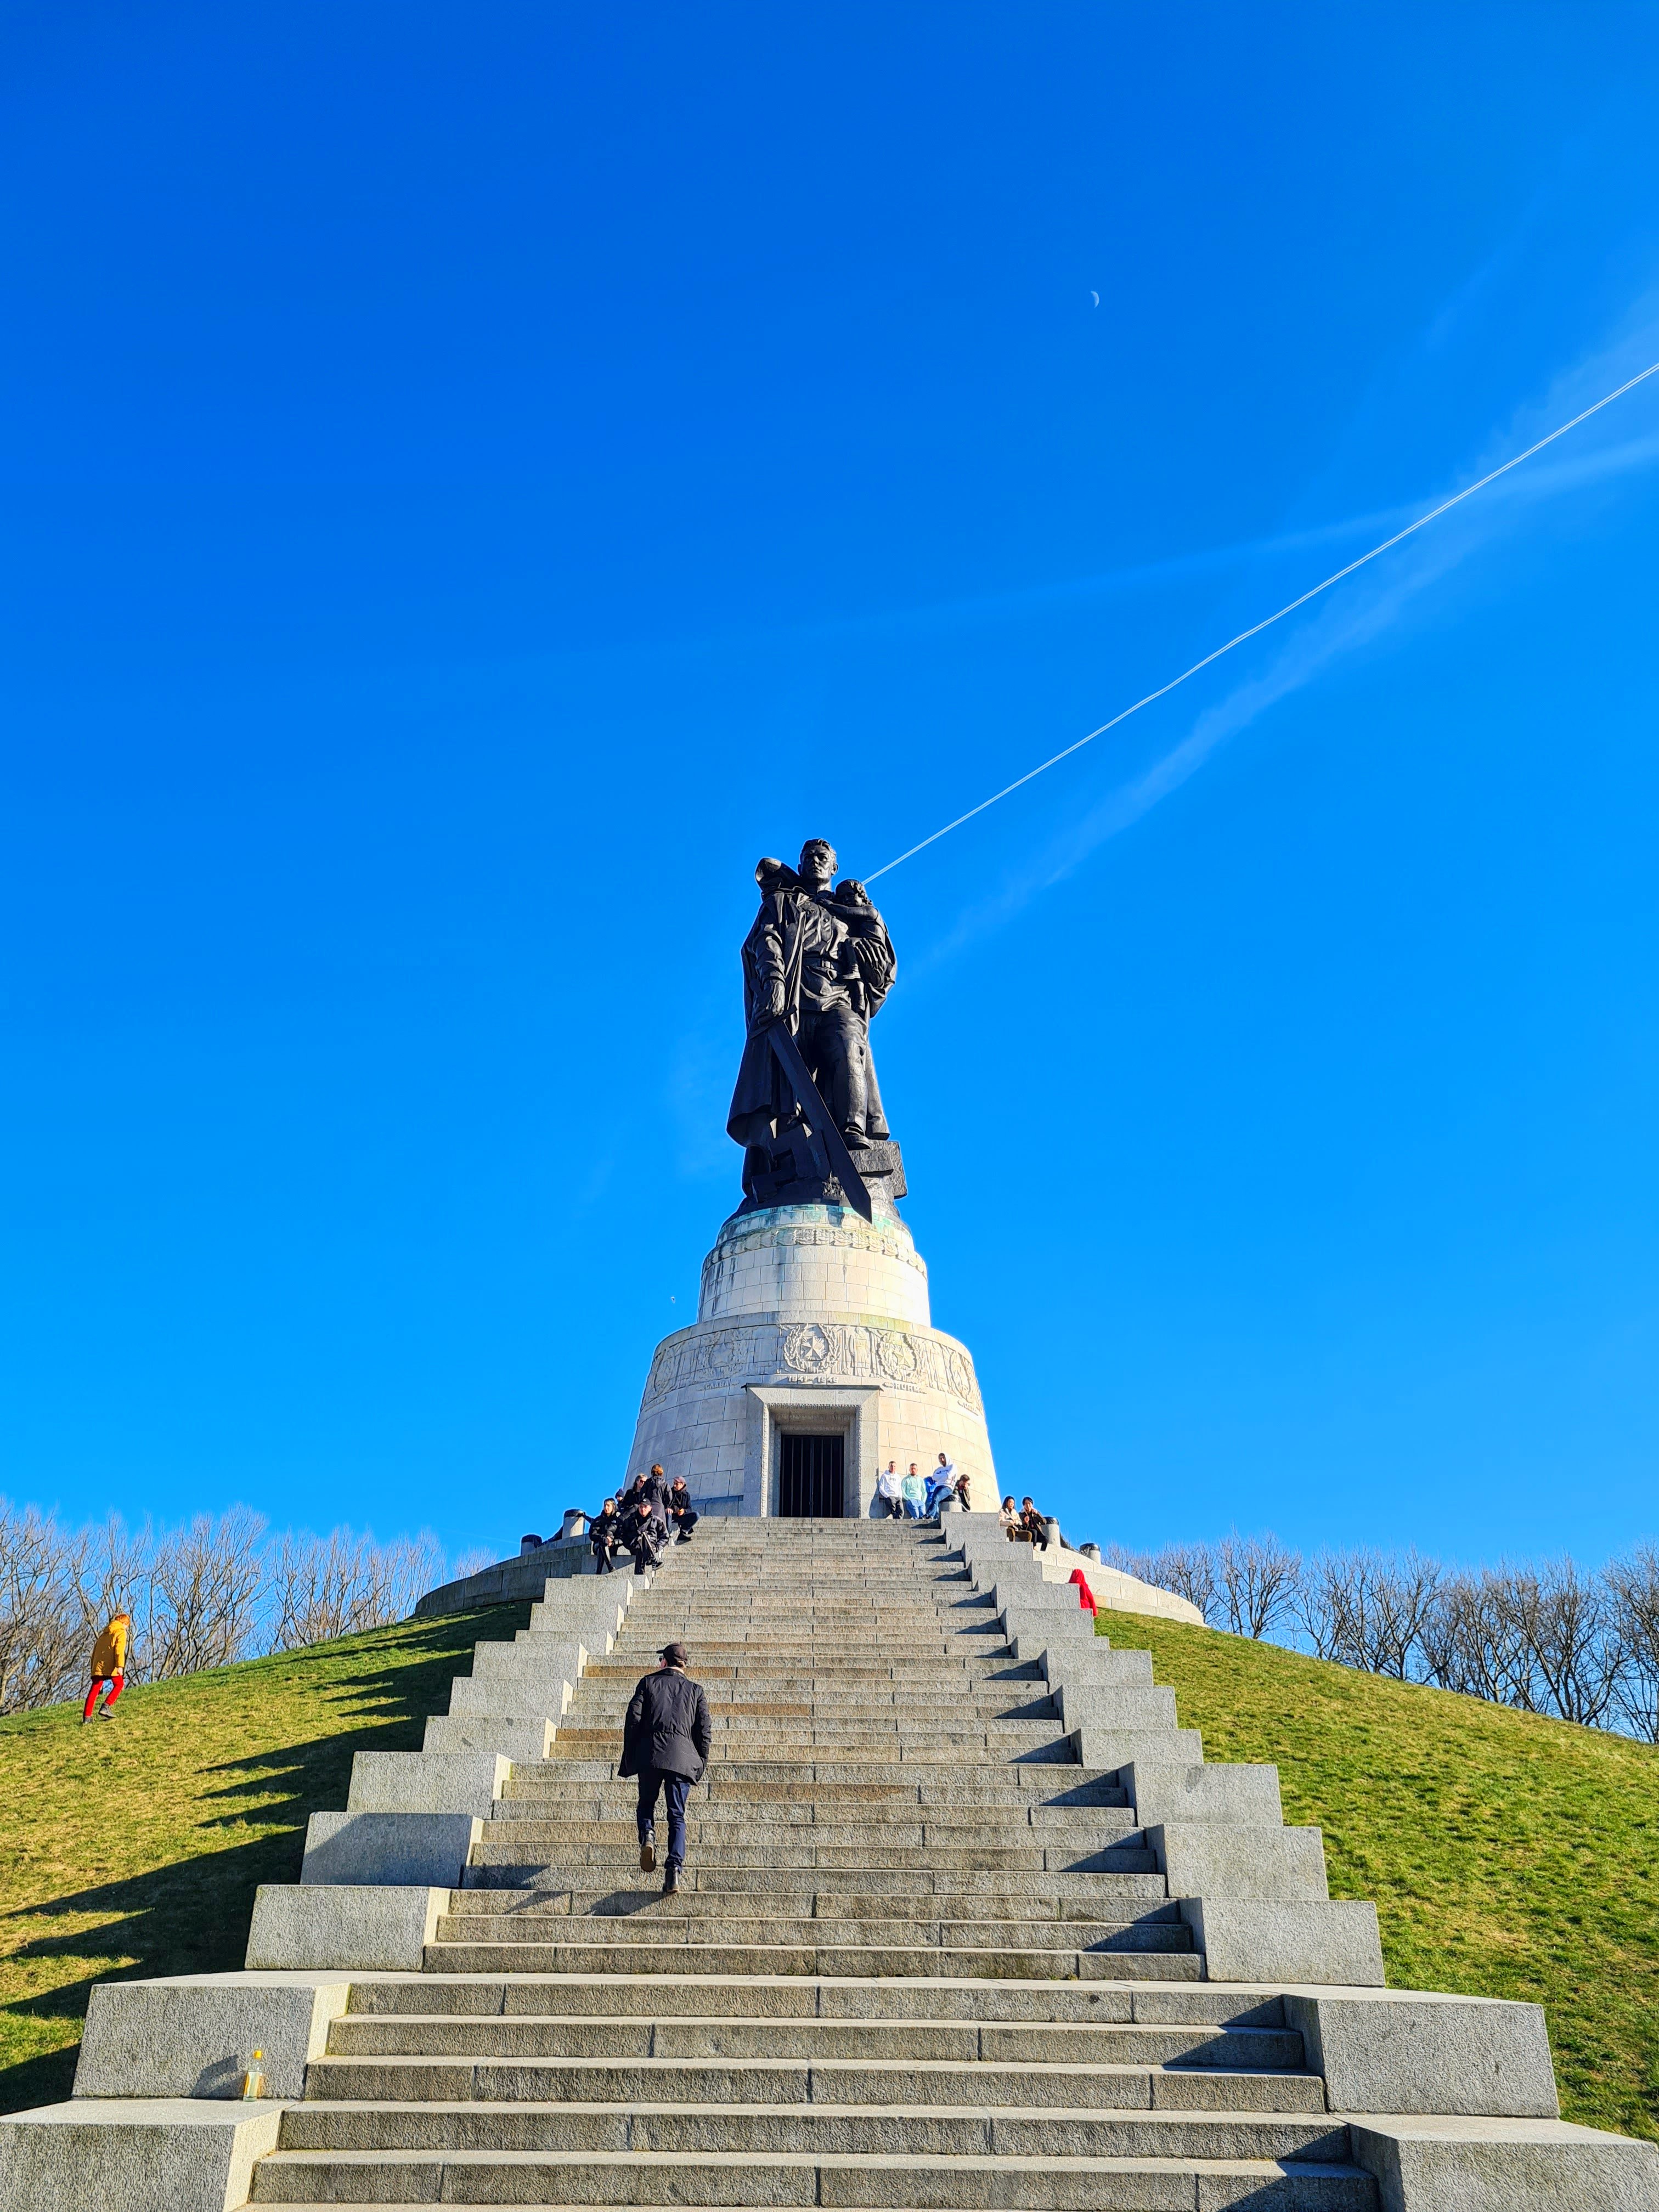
column 941, row 1483
column 914, row 1492
column 639, row 1526
column 889, row 1493
column 1009, row 1517
column 1033, row 1527
column 666, row 1740
column 603, row 1535
column 681, row 1517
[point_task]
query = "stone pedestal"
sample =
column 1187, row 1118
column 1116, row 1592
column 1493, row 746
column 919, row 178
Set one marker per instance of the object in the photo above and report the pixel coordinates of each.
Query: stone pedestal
column 811, row 1319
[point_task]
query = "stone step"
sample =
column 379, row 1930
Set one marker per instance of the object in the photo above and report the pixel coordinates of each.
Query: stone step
column 794, row 1757
column 941, row 1610
column 588, row 2036
column 994, row 1783
column 877, row 1826
column 890, row 1866
column 986, row 1646
column 944, row 1598
column 945, row 1875
column 878, row 1705
column 387, row 2130
column 919, row 1708
column 533, row 1793
column 938, row 1681
column 1120, row 1909
column 923, row 1715
column 443, row 2127
column 864, row 1590
column 981, row 2000
column 869, row 1628
column 775, row 1736
column 769, row 2082
column 760, row 1782
column 608, row 1954
column 603, row 2184
column 832, row 1869
column 1102, row 1894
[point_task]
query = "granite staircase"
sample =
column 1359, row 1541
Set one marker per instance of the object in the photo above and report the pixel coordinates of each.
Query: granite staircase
column 967, row 1921
column 921, row 1956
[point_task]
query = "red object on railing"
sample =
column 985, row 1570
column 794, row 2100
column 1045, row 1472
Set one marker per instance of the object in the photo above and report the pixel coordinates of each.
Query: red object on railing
column 1085, row 1596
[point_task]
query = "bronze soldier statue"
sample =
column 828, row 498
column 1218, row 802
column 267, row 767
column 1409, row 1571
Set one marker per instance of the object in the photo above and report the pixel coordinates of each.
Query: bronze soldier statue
column 818, row 961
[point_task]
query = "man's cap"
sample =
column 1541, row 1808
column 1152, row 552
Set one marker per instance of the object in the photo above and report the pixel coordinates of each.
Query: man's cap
column 673, row 1655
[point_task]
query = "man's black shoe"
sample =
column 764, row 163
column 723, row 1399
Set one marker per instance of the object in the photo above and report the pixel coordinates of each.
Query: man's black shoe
column 648, row 1855
column 670, row 1881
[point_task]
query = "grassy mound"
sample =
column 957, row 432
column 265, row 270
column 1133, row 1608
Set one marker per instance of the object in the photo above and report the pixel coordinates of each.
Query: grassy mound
column 1509, row 1857
column 133, row 1847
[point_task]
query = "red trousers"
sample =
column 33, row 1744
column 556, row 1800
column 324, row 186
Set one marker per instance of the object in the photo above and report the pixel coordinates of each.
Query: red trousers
column 117, row 1682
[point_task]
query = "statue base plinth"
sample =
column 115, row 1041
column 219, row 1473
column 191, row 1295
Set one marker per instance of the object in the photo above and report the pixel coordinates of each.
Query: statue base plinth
column 811, row 1322
column 783, row 1175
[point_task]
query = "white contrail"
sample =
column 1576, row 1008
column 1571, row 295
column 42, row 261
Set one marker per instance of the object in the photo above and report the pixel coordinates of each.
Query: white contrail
column 1257, row 628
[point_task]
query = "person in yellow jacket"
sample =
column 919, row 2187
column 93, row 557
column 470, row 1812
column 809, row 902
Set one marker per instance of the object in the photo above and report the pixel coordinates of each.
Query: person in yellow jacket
column 109, row 1667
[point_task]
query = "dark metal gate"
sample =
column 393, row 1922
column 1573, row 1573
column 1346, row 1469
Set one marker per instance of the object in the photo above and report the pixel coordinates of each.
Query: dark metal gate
column 810, row 1476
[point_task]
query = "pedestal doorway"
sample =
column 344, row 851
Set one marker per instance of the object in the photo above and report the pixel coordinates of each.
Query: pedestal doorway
column 811, row 1476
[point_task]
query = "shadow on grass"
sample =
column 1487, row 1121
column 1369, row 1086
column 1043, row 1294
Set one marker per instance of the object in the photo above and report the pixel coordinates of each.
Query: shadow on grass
column 318, row 1773
column 191, row 1917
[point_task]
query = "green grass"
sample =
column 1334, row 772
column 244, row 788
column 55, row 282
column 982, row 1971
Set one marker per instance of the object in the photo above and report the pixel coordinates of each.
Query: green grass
column 1509, row 1857
column 133, row 1847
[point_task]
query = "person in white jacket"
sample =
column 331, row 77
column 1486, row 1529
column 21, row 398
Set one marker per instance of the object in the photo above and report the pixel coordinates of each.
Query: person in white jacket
column 889, row 1493
column 941, row 1483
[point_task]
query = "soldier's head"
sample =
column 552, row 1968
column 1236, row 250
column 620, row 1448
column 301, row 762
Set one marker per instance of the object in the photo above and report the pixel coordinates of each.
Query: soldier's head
column 817, row 862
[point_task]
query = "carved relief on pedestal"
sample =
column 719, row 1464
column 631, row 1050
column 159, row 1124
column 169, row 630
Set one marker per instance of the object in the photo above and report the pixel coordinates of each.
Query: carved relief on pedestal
column 818, row 1352
column 807, row 1349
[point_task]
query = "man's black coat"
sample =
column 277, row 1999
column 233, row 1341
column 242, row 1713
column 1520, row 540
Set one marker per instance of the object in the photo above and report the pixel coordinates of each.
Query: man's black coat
column 667, row 1726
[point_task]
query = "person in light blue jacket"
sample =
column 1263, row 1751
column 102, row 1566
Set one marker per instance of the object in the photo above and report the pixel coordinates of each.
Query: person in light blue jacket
column 914, row 1493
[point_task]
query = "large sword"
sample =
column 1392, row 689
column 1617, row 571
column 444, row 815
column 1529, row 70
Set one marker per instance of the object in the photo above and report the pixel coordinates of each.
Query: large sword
column 819, row 1120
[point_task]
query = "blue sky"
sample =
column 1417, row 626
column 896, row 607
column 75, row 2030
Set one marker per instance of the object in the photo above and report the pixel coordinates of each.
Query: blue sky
column 471, row 481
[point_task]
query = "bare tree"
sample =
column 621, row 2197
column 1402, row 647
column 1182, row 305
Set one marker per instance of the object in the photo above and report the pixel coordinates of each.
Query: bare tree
column 1570, row 1624
column 116, row 1576
column 1633, row 1592
column 1476, row 1639
column 206, row 1582
column 344, row 1583
column 1189, row 1570
column 1367, row 1609
column 42, row 1650
column 1406, row 1589
column 1259, row 1582
column 1325, row 1602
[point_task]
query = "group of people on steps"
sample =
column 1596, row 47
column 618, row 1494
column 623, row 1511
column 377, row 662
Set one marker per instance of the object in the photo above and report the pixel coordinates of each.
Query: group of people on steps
column 1022, row 1523
column 638, row 1521
column 916, row 1497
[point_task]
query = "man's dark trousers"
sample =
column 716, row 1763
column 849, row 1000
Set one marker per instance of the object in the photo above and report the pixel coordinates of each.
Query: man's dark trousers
column 652, row 1779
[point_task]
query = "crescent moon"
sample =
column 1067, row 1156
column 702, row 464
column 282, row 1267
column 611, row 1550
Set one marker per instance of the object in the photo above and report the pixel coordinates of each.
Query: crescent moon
column 1095, row 296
